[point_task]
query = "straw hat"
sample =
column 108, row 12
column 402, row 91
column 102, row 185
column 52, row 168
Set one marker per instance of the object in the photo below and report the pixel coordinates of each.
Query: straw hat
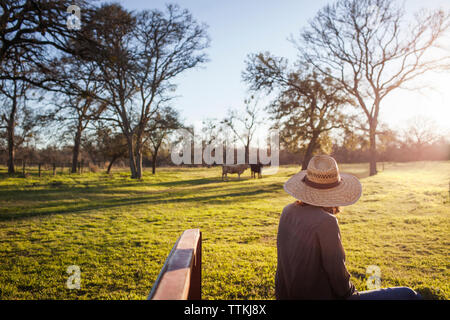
column 322, row 185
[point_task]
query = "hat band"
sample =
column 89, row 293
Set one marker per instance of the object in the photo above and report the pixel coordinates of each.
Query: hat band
column 320, row 185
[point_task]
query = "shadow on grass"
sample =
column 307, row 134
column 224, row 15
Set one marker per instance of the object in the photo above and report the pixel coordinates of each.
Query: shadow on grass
column 162, row 197
column 190, row 182
column 60, row 191
column 103, row 183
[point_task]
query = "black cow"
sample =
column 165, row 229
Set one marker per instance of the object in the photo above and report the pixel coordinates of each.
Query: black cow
column 256, row 169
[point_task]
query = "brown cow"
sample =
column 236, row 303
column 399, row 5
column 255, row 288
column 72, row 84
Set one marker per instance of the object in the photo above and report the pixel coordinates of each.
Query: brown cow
column 234, row 168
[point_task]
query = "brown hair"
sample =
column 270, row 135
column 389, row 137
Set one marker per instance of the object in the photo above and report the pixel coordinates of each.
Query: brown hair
column 332, row 210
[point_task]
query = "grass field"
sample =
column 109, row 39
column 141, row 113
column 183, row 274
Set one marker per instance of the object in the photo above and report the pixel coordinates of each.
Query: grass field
column 119, row 231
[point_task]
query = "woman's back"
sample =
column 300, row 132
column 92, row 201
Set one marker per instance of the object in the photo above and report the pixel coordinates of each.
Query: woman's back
column 311, row 259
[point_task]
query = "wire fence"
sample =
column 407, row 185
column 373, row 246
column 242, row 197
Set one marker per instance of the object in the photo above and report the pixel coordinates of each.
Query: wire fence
column 44, row 168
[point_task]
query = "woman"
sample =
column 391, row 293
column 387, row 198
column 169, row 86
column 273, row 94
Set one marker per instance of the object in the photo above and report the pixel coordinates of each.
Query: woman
column 311, row 259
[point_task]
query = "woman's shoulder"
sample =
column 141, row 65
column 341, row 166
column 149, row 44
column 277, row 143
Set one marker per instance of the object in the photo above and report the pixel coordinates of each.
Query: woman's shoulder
column 289, row 207
column 298, row 206
column 293, row 207
column 307, row 212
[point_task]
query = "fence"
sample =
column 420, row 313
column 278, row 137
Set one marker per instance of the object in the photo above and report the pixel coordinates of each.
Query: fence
column 181, row 275
column 24, row 167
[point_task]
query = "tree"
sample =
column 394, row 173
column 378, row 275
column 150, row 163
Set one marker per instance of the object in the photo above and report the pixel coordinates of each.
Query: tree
column 308, row 104
column 32, row 34
column 244, row 125
column 39, row 28
column 366, row 46
column 16, row 118
column 387, row 141
column 139, row 57
column 111, row 31
column 111, row 145
column 420, row 134
column 76, row 84
column 212, row 129
column 158, row 131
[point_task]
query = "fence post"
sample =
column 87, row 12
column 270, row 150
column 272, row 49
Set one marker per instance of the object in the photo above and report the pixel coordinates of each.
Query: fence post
column 54, row 169
column 39, row 169
column 23, row 167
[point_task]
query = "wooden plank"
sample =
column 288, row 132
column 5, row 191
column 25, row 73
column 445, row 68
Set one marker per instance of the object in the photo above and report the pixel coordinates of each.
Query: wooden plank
column 195, row 290
column 182, row 267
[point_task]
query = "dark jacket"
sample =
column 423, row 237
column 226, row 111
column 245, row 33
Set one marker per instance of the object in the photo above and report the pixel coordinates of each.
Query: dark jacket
column 311, row 259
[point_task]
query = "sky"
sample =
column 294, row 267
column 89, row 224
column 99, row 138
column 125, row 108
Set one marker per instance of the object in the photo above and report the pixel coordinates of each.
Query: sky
column 238, row 28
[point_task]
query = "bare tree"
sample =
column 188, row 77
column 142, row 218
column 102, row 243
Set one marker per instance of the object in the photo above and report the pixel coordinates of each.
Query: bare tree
column 107, row 143
column 244, row 125
column 39, row 28
column 140, row 58
column 419, row 134
column 366, row 46
column 212, row 129
column 16, row 118
column 76, row 85
column 307, row 107
column 159, row 130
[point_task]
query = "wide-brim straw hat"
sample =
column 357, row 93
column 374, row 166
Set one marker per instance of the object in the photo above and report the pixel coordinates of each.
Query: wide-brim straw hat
column 321, row 184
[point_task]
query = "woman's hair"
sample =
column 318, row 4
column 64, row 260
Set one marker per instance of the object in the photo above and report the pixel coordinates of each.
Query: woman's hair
column 332, row 210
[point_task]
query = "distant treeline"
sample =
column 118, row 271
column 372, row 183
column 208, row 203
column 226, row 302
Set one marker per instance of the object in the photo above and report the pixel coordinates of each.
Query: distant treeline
column 437, row 151
column 59, row 159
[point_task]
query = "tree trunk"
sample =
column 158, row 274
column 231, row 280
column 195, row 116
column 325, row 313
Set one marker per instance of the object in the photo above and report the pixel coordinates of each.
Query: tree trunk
column 247, row 154
column 138, row 162
column 154, row 164
column 110, row 165
column 155, row 156
column 11, row 131
column 76, row 149
column 309, row 151
column 11, row 148
column 372, row 150
column 131, row 157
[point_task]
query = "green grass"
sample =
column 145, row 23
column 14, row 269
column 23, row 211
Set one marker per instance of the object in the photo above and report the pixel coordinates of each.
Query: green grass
column 119, row 231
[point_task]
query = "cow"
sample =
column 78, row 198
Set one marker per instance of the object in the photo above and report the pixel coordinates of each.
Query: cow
column 256, row 169
column 234, row 168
